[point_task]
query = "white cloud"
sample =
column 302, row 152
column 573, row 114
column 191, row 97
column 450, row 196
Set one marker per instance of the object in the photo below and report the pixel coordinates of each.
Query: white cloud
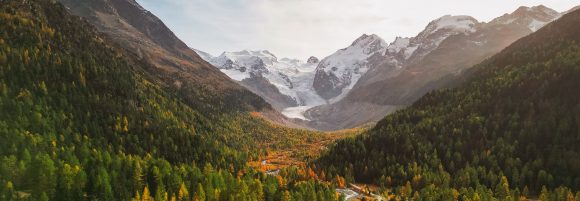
column 301, row 28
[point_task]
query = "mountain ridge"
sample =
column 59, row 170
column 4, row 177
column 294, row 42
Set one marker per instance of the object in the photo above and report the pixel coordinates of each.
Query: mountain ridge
column 509, row 131
column 434, row 62
column 177, row 66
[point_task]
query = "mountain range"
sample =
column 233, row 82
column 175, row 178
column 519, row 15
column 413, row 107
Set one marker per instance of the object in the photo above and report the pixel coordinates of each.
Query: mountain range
column 510, row 130
column 433, row 59
column 371, row 78
column 99, row 100
column 282, row 82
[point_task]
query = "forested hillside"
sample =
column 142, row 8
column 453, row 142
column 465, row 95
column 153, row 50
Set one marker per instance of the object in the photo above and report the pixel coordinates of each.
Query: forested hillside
column 512, row 130
column 81, row 120
column 174, row 65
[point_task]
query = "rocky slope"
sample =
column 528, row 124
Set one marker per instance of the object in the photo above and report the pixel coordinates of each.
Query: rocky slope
column 430, row 60
column 293, row 86
column 170, row 60
column 339, row 72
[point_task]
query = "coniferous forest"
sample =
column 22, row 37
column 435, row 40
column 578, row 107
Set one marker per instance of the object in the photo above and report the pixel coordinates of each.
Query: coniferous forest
column 81, row 121
column 511, row 132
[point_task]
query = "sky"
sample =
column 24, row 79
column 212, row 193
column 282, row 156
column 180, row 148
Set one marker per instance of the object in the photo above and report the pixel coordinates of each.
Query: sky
column 303, row 28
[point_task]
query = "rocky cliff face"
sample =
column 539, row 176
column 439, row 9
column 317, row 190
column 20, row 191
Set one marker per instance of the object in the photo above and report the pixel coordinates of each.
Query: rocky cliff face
column 339, row 72
column 312, row 60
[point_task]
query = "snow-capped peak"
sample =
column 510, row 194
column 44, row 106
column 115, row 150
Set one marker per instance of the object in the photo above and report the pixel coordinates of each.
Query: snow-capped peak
column 292, row 77
column 457, row 24
column 369, row 43
column 353, row 56
column 244, row 56
column 337, row 73
column 365, row 39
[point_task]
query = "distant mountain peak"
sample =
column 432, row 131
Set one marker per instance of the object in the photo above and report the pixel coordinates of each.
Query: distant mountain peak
column 540, row 9
column 284, row 82
column 535, row 9
column 533, row 17
column 450, row 23
column 312, row 60
column 337, row 73
column 365, row 40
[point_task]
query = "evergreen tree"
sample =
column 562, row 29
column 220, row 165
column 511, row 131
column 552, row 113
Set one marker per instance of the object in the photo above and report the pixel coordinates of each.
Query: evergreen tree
column 200, row 193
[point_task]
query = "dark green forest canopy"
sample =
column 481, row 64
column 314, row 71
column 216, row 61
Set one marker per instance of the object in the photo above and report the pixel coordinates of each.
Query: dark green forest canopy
column 81, row 120
column 517, row 117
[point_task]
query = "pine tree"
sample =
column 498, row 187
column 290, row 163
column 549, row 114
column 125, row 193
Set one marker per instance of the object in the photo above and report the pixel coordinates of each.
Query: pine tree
column 43, row 197
column 183, row 194
column 259, row 188
column 137, row 176
column 570, row 196
column 43, row 174
column 200, row 193
column 146, row 195
column 476, row 197
column 137, row 196
column 502, row 189
column 8, row 191
column 160, row 194
column 286, row 196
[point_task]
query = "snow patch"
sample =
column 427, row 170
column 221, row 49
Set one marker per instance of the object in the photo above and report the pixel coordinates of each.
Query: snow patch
column 296, row 112
column 236, row 75
column 399, row 44
column 456, row 23
column 292, row 77
column 348, row 65
column 409, row 51
column 535, row 25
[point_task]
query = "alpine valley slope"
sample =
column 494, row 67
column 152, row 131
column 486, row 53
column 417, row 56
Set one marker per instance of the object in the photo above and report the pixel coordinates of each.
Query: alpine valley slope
column 81, row 119
column 411, row 67
column 170, row 60
column 510, row 131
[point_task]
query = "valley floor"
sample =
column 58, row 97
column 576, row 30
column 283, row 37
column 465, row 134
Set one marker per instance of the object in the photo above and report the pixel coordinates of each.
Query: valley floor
column 300, row 153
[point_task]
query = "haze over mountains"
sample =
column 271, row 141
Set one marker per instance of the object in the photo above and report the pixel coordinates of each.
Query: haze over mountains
column 371, row 78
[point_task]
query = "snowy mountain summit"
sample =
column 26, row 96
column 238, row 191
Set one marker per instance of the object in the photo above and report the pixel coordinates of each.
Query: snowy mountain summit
column 337, row 73
column 258, row 70
column 294, row 86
